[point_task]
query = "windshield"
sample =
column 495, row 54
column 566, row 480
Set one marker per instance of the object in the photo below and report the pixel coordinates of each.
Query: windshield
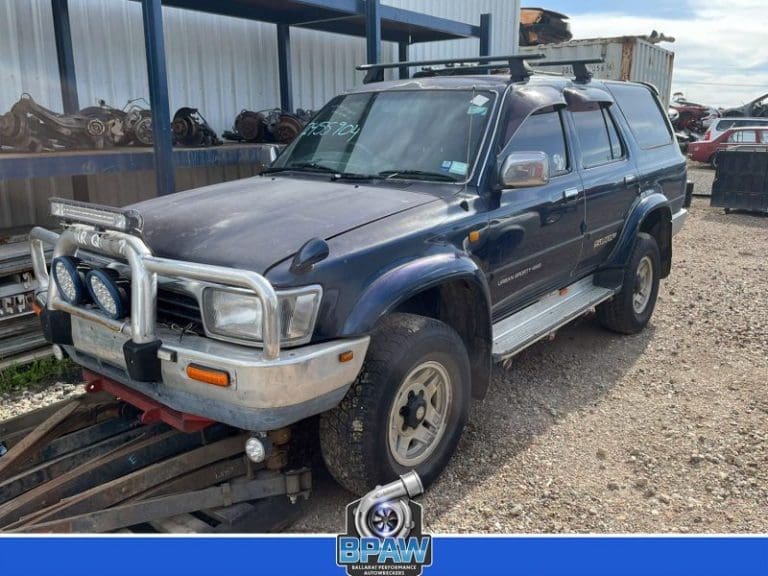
column 416, row 134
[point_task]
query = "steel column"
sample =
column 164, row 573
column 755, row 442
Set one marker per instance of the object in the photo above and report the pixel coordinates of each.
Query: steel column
column 485, row 34
column 284, row 66
column 402, row 56
column 373, row 31
column 154, row 44
column 65, row 55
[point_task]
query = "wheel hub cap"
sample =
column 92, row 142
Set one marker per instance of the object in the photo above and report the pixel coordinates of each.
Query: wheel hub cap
column 643, row 285
column 418, row 417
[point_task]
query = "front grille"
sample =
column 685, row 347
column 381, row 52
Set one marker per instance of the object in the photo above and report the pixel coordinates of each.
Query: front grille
column 178, row 310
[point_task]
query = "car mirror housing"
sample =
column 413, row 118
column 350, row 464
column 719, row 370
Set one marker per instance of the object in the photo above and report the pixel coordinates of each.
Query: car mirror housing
column 525, row 170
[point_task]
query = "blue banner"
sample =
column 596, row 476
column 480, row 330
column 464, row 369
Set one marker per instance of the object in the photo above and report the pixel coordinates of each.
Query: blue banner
column 250, row 556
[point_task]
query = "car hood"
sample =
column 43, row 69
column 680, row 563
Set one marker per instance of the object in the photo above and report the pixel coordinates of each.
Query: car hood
column 257, row 222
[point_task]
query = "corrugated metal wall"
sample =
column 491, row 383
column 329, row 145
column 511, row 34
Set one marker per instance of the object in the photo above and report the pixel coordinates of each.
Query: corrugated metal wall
column 218, row 64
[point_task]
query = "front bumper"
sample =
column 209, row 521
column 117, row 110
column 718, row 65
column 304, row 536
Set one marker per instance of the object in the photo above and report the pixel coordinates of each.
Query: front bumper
column 268, row 388
column 263, row 394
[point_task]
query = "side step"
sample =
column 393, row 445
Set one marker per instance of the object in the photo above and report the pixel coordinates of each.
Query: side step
column 515, row 333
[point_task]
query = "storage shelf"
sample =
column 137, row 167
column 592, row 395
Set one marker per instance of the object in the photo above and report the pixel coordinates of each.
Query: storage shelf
column 128, row 159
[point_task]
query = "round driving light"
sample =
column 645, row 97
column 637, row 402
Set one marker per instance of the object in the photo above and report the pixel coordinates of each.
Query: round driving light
column 255, row 450
column 109, row 292
column 69, row 275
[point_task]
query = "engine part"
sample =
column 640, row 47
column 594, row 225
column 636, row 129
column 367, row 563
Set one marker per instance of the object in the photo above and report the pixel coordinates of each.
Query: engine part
column 273, row 125
column 191, row 129
column 28, row 126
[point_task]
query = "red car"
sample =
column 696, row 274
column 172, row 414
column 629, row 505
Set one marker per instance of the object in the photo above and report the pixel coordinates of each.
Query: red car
column 707, row 150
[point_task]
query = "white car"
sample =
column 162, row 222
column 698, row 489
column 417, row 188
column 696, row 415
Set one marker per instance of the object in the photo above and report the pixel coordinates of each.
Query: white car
column 722, row 124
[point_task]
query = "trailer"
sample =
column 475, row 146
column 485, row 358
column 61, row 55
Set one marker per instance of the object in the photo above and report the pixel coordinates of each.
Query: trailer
column 632, row 58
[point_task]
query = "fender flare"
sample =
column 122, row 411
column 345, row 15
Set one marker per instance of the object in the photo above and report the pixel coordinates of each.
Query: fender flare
column 398, row 284
column 646, row 204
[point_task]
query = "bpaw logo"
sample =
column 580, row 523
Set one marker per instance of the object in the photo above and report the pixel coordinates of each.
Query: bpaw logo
column 384, row 532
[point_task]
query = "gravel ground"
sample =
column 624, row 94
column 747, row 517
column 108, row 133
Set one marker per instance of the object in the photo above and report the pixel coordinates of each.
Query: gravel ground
column 665, row 431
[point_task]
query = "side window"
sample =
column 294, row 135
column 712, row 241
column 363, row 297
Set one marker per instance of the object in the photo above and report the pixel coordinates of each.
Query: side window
column 598, row 137
column 644, row 115
column 543, row 132
column 743, row 137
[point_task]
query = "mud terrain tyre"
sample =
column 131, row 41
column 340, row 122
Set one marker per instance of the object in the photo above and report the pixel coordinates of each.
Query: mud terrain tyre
column 406, row 410
column 629, row 311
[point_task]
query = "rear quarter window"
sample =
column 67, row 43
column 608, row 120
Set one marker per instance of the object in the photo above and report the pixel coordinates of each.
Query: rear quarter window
column 644, row 115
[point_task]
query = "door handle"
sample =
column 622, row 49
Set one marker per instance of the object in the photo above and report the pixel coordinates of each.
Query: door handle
column 630, row 178
column 570, row 193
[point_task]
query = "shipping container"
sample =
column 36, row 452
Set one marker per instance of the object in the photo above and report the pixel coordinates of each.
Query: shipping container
column 624, row 58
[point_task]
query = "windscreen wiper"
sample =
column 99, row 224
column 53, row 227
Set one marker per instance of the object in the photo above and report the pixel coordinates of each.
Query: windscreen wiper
column 301, row 167
column 417, row 175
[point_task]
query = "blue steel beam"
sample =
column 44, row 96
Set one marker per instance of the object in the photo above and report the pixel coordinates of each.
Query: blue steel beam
column 373, row 31
column 402, row 56
column 72, row 162
column 485, row 34
column 284, row 66
column 158, row 96
column 64, row 54
column 320, row 15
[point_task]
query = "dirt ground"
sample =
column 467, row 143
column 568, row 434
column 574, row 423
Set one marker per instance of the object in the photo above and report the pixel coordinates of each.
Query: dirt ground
column 666, row 431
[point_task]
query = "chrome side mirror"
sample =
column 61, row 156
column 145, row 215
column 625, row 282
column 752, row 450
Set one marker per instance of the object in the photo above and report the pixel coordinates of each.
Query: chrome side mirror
column 525, row 170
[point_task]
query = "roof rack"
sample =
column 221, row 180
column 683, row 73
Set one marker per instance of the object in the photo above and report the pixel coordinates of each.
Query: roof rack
column 579, row 66
column 517, row 63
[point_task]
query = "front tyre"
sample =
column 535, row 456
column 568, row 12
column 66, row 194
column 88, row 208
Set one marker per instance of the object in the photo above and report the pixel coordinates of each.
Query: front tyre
column 406, row 410
column 631, row 309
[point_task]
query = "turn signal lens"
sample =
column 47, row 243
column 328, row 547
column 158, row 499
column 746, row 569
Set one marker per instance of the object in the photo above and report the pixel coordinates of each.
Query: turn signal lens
column 208, row 375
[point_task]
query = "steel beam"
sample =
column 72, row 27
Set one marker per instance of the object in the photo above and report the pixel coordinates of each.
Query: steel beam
column 284, row 66
column 373, row 31
column 64, row 54
column 402, row 56
column 154, row 44
column 485, row 34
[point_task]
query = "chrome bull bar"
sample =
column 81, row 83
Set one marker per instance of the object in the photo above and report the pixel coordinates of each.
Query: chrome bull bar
column 144, row 271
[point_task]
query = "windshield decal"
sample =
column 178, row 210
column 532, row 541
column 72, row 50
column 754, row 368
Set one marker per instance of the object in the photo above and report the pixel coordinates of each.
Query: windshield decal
column 332, row 128
column 479, row 100
column 457, row 167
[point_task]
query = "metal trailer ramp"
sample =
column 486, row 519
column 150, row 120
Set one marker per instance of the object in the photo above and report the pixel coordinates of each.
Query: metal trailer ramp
column 90, row 465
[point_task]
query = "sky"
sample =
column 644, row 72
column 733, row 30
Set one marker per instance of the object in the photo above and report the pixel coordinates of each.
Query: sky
column 721, row 48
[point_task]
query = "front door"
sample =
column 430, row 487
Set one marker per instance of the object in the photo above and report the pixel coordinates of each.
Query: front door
column 536, row 233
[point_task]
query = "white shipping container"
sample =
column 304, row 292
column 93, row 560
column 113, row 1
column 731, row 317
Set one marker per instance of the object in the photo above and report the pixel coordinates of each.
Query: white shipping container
column 624, row 58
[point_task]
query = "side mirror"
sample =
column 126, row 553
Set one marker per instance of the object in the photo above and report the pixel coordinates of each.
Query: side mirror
column 525, row 170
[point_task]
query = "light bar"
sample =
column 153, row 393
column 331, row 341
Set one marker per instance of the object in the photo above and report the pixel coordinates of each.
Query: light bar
column 97, row 215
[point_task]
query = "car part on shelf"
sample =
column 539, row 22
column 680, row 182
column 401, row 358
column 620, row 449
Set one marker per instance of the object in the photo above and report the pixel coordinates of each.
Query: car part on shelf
column 273, row 125
column 191, row 129
column 28, row 126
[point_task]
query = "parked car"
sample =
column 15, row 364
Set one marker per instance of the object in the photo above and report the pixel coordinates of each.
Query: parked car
column 734, row 138
column 757, row 108
column 722, row 124
column 413, row 235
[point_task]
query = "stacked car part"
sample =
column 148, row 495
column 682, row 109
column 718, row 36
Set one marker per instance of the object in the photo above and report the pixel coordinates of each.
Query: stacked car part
column 273, row 125
column 20, row 335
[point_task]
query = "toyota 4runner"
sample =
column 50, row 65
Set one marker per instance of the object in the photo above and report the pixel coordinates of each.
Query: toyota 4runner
column 417, row 232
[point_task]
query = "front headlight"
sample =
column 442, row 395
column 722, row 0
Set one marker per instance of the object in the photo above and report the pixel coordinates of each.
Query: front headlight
column 237, row 315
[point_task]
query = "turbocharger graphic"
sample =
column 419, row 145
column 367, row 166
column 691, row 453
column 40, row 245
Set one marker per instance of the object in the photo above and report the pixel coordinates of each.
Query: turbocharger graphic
column 385, row 512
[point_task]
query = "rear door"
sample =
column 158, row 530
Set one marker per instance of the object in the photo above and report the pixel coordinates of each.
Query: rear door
column 608, row 175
